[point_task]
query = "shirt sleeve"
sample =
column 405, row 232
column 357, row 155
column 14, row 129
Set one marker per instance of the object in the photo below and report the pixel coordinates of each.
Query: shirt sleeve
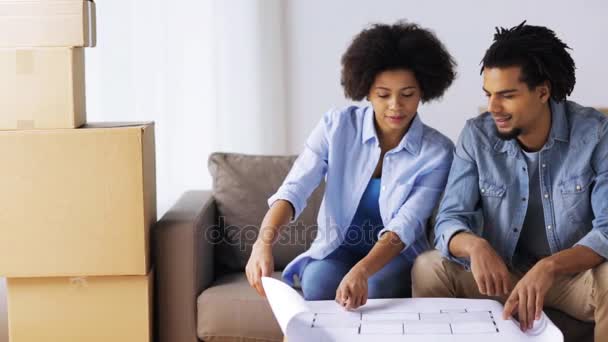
column 410, row 221
column 308, row 170
column 460, row 210
column 597, row 238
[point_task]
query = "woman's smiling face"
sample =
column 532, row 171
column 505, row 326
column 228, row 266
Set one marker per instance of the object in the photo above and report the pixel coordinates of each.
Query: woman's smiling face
column 395, row 96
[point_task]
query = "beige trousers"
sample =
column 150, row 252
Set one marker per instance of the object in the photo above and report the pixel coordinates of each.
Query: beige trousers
column 582, row 296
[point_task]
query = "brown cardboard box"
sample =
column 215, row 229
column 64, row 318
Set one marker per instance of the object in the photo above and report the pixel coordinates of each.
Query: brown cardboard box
column 77, row 202
column 93, row 309
column 42, row 88
column 47, row 23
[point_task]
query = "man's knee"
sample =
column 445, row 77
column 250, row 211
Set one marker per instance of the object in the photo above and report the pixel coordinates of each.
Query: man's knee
column 429, row 278
column 600, row 280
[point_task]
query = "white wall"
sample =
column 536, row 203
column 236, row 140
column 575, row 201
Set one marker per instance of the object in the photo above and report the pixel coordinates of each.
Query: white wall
column 208, row 72
column 319, row 31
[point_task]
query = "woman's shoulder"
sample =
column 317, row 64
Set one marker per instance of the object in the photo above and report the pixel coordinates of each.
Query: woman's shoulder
column 434, row 140
column 345, row 113
column 348, row 118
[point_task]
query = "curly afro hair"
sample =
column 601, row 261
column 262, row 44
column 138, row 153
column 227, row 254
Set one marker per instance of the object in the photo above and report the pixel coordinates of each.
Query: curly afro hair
column 403, row 45
column 540, row 54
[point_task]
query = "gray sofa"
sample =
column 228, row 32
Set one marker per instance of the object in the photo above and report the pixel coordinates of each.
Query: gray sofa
column 202, row 243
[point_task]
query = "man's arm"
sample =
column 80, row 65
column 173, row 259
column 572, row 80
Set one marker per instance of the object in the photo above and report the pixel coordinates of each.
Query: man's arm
column 458, row 227
column 489, row 270
column 459, row 210
column 572, row 260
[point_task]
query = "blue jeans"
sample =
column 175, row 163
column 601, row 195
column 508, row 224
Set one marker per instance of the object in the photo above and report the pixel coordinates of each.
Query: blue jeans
column 320, row 278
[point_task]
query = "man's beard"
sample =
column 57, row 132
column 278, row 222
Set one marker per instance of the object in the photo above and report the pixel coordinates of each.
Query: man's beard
column 510, row 135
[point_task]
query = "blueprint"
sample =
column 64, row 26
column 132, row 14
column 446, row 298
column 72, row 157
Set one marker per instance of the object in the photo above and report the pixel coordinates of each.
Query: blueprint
column 411, row 319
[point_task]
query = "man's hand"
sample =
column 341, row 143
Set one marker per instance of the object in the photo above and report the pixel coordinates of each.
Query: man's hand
column 528, row 296
column 489, row 270
column 352, row 291
column 260, row 264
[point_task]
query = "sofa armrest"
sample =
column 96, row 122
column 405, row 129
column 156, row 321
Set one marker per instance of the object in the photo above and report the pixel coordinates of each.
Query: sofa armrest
column 184, row 265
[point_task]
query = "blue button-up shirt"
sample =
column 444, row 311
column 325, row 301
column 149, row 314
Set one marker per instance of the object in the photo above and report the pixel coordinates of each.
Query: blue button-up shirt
column 344, row 148
column 487, row 191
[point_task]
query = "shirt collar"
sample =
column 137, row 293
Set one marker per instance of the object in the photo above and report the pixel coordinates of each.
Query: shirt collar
column 411, row 141
column 369, row 131
column 560, row 129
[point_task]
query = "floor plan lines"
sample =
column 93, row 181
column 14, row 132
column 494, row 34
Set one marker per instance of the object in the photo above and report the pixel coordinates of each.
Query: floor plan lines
column 442, row 322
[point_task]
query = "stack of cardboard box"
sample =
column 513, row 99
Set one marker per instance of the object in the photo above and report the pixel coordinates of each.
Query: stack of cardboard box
column 78, row 199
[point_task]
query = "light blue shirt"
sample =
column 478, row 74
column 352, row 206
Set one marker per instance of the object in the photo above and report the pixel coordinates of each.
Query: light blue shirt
column 488, row 187
column 344, row 148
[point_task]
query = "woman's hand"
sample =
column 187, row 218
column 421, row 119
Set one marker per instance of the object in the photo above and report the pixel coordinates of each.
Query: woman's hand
column 352, row 291
column 260, row 264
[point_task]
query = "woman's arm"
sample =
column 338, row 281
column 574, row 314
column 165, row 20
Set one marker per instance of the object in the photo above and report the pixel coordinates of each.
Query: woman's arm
column 388, row 246
column 289, row 201
column 352, row 291
column 261, row 263
column 309, row 168
column 279, row 214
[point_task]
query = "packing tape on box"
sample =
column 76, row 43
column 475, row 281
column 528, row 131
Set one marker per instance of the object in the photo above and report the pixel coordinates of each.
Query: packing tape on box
column 79, row 282
column 24, row 65
column 92, row 24
column 24, row 62
column 26, row 124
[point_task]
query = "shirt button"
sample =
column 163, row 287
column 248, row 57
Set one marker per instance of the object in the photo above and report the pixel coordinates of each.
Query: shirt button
column 546, row 195
column 384, row 187
column 578, row 187
column 544, row 165
column 523, row 199
column 549, row 227
column 483, row 190
column 515, row 230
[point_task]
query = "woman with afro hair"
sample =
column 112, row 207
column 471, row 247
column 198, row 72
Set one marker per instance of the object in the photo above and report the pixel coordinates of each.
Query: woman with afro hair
column 384, row 171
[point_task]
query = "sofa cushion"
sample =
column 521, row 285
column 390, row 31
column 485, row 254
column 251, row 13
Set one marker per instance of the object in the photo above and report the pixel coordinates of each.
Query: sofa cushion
column 230, row 310
column 242, row 185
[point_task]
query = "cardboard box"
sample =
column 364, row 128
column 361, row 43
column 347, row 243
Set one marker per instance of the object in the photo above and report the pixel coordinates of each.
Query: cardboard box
column 42, row 88
column 89, row 309
column 77, row 202
column 47, row 23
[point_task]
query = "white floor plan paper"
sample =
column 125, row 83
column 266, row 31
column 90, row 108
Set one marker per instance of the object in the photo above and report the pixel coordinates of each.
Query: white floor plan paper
column 412, row 319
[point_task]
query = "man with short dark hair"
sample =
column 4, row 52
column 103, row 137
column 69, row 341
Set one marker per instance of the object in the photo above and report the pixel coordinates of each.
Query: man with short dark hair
column 524, row 218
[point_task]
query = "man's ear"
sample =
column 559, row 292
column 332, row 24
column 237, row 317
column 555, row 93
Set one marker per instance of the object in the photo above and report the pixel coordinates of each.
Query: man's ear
column 544, row 91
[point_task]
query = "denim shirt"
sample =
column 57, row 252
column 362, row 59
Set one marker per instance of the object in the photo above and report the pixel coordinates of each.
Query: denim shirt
column 344, row 148
column 487, row 191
